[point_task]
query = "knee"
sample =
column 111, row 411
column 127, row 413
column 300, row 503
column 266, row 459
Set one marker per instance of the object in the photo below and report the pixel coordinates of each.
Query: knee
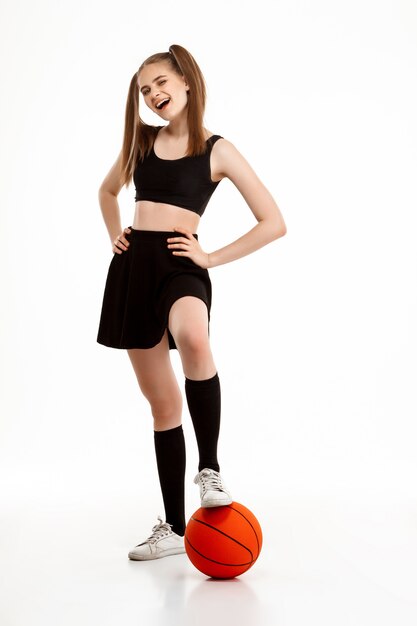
column 193, row 344
column 166, row 414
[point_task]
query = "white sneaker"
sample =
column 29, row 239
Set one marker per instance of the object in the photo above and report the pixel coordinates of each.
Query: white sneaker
column 162, row 542
column 212, row 490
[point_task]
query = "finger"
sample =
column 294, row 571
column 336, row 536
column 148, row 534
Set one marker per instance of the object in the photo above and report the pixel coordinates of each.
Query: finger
column 179, row 240
column 179, row 246
column 120, row 244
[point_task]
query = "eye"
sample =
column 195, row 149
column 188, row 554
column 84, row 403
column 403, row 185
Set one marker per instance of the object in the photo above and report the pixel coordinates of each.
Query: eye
column 161, row 82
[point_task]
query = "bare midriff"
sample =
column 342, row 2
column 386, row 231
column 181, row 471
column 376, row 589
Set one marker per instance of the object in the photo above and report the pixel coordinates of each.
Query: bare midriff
column 165, row 217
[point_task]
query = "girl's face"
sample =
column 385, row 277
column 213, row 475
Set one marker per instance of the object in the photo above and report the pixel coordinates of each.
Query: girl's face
column 164, row 91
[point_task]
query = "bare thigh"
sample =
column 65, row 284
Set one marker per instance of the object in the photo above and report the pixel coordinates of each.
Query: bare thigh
column 158, row 383
column 188, row 323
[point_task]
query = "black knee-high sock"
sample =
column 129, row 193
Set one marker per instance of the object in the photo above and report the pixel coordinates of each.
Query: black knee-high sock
column 204, row 404
column 170, row 458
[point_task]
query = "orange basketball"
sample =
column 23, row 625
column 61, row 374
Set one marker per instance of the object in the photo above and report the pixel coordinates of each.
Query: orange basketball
column 223, row 541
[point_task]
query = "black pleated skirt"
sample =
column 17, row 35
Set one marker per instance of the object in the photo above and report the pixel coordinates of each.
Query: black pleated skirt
column 142, row 284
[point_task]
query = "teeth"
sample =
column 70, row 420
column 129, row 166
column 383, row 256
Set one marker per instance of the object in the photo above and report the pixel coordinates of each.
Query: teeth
column 158, row 106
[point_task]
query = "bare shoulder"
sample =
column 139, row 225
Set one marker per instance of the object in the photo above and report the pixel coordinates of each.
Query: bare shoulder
column 228, row 162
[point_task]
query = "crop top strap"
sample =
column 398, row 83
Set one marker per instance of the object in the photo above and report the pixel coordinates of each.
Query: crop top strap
column 212, row 140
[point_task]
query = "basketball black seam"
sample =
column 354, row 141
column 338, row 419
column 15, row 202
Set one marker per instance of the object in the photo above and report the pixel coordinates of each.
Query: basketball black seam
column 225, row 534
column 217, row 562
column 240, row 513
column 256, row 534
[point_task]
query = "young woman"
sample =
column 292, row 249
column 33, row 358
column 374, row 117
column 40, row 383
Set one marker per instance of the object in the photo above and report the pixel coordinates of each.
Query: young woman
column 157, row 294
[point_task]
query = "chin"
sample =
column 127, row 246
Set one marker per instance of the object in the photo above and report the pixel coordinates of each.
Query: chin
column 168, row 116
column 163, row 115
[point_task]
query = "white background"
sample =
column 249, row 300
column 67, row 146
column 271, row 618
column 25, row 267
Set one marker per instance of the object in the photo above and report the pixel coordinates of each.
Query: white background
column 314, row 336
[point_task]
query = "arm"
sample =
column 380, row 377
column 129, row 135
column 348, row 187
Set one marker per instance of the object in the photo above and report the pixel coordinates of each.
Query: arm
column 270, row 226
column 107, row 196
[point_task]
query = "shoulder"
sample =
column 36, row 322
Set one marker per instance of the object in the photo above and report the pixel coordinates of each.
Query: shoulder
column 227, row 160
column 224, row 146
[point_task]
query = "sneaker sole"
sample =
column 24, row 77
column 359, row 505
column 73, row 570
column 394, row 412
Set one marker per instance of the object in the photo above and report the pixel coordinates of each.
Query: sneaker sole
column 138, row 557
column 211, row 504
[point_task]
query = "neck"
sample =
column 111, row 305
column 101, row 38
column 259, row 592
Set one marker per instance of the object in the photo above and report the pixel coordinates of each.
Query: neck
column 178, row 127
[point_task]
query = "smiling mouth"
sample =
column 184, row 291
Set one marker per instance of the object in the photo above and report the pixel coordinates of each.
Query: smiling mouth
column 163, row 104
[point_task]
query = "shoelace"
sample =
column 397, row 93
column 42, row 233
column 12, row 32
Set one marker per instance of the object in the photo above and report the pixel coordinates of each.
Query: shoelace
column 160, row 530
column 211, row 480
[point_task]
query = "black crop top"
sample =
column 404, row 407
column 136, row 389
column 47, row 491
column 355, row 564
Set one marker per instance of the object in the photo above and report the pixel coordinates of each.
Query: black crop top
column 184, row 182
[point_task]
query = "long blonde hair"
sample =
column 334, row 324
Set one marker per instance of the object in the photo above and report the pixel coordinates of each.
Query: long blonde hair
column 139, row 137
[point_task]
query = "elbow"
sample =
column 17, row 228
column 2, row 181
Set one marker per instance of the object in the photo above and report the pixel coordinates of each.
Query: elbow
column 278, row 230
column 103, row 191
column 281, row 231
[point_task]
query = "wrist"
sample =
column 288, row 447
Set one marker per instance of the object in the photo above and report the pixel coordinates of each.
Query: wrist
column 113, row 234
